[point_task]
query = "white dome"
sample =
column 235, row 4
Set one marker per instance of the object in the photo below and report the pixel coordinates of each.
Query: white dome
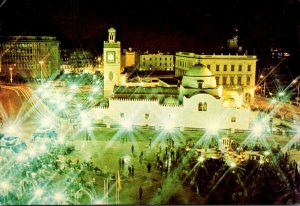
column 199, row 70
column 199, row 77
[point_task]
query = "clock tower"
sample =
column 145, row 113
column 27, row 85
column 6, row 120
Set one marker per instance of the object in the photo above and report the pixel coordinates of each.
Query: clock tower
column 112, row 63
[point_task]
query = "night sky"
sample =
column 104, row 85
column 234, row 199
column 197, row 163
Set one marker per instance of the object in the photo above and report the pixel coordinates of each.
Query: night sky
column 165, row 25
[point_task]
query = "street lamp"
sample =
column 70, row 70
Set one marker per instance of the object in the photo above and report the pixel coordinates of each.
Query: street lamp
column 41, row 63
column 264, row 79
column 295, row 81
column 11, row 77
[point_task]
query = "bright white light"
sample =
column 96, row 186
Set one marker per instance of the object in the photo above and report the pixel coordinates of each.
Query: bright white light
column 59, row 196
column 257, row 129
column 85, row 123
column 47, row 122
column 43, row 148
column 91, row 98
column 60, row 140
column 200, row 159
column 232, row 165
column 5, row 185
column 11, row 130
column 79, row 106
column 169, row 126
column 96, row 89
column 261, row 162
column 127, row 125
column 212, row 128
column 74, row 86
column 62, row 106
column 281, row 94
column 98, row 202
column 266, row 153
column 38, row 192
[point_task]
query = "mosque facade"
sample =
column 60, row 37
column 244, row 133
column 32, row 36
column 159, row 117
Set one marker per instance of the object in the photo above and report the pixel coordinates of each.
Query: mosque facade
column 196, row 102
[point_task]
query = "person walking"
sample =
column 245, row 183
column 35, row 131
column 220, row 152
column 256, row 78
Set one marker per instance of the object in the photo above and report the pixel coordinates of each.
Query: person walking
column 141, row 193
column 132, row 170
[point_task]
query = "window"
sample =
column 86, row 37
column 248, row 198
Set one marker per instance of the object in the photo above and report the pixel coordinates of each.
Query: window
column 249, row 68
column 240, row 68
column 248, row 81
column 200, row 83
column 200, row 107
column 146, row 116
column 217, row 67
column 150, row 59
column 217, row 80
column 225, row 68
column 239, row 80
column 122, row 114
column 208, row 66
column 224, row 81
column 231, row 80
column 232, row 68
column 204, row 106
column 233, row 119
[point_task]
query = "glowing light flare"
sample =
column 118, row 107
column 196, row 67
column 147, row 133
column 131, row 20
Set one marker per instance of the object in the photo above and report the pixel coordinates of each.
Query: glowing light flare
column 47, row 122
column 266, row 153
column 98, row 202
column 10, row 130
column 38, row 192
column 169, row 126
column 200, row 159
column 95, row 89
column 257, row 129
column 127, row 125
column 59, row 197
column 232, row 165
column 5, row 185
column 212, row 128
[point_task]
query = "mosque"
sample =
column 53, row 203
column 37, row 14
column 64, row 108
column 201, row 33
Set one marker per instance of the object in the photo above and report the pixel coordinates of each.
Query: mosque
column 193, row 102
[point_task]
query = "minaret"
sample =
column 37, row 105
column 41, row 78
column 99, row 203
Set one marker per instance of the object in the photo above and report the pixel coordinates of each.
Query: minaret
column 112, row 63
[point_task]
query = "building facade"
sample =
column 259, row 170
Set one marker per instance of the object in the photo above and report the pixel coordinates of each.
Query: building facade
column 32, row 57
column 111, row 63
column 129, row 58
column 196, row 103
column 159, row 61
column 236, row 73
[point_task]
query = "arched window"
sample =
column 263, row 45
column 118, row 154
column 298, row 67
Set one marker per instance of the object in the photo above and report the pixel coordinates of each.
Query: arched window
column 204, row 106
column 200, row 107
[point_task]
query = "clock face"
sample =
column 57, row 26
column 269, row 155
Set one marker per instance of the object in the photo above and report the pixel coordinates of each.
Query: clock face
column 110, row 56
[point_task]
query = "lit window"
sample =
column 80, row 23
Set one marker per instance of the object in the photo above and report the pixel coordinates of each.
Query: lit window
column 249, row 68
column 217, row 80
column 240, row 68
column 217, row 67
column 232, row 68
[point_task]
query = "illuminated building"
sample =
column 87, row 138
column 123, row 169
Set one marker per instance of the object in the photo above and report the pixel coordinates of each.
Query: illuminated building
column 28, row 55
column 194, row 102
column 236, row 73
column 159, row 61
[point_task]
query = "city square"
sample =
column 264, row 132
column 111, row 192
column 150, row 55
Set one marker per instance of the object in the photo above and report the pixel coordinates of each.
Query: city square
column 80, row 165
